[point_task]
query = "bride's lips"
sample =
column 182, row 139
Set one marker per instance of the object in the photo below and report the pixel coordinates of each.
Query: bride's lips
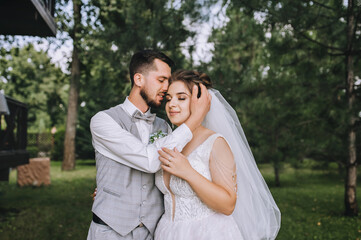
column 173, row 113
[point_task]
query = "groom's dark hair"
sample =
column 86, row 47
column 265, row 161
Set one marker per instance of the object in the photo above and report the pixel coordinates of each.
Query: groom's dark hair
column 142, row 62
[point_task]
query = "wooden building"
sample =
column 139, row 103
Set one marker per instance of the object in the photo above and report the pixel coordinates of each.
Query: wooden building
column 27, row 17
column 20, row 17
column 13, row 136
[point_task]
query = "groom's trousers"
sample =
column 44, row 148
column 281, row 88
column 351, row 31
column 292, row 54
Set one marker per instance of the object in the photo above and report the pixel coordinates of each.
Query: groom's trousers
column 103, row 232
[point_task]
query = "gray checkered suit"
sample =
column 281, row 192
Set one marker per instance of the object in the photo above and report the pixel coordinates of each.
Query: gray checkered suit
column 126, row 197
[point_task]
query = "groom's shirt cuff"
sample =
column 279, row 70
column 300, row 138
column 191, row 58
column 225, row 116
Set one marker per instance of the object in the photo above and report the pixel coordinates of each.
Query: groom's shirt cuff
column 114, row 142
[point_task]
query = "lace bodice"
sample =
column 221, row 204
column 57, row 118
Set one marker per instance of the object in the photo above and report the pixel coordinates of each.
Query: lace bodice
column 187, row 205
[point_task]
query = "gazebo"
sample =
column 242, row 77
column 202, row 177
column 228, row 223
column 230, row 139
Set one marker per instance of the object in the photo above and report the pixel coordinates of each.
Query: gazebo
column 20, row 17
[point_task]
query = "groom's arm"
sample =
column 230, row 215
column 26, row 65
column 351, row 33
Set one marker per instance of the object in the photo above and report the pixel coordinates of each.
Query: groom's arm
column 114, row 142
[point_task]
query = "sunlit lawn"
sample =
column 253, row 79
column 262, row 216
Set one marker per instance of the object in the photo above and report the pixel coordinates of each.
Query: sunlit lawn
column 311, row 202
column 59, row 211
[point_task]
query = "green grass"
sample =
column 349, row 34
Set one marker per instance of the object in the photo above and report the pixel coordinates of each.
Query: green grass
column 311, row 202
column 59, row 211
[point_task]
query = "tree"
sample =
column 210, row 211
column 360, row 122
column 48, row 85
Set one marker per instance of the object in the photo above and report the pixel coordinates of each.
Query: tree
column 29, row 76
column 114, row 31
column 72, row 115
column 351, row 50
column 258, row 89
column 330, row 30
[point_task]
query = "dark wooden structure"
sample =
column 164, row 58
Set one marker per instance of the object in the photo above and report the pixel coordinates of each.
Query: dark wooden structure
column 20, row 17
column 27, row 17
column 13, row 137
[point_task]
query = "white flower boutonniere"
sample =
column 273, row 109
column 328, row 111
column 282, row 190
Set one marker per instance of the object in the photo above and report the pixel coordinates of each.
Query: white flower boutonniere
column 156, row 135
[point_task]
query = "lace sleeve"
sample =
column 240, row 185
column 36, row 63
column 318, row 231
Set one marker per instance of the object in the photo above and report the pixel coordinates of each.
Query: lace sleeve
column 222, row 165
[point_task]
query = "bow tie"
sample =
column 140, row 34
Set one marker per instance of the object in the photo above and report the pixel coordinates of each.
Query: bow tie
column 139, row 116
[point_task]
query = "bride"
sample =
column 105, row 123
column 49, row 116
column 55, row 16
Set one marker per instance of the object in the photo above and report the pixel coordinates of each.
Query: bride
column 213, row 188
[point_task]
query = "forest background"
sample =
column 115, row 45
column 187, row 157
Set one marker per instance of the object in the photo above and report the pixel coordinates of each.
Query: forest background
column 290, row 69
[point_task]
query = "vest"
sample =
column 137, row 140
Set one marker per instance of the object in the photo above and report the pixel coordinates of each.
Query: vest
column 127, row 197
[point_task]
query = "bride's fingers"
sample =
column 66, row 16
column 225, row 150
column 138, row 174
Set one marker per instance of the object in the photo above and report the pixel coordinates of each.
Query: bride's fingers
column 177, row 152
column 164, row 161
column 164, row 154
column 166, row 168
column 169, row 151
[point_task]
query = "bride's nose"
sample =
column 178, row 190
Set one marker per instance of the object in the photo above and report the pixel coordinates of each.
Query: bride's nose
column 172, row 103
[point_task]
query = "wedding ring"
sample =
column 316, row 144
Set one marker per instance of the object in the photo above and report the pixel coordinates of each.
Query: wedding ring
column 170, row 159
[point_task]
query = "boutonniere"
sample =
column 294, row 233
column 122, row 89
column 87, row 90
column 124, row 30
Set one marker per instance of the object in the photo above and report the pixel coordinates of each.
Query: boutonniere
column 156, row 135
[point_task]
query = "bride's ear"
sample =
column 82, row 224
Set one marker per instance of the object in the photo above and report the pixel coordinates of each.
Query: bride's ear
column 138, row 79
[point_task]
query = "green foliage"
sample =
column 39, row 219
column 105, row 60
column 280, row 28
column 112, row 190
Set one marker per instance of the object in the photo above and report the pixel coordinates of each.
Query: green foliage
column 57, row 152
column 281, row 65
column 33, row 151
column 28, row 76
column 112, row 32
column 121, row 28
column 83, row 144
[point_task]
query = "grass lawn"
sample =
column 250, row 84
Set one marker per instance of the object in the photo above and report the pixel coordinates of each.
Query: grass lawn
column 59, row 211
column 311, row 202
column 312, row 205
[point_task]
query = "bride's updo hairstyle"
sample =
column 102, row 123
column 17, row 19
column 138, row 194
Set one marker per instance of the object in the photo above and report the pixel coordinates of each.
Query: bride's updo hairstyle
column 191, row 78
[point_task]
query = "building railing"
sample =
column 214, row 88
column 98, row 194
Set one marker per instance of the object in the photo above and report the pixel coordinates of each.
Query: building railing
column 13, row 137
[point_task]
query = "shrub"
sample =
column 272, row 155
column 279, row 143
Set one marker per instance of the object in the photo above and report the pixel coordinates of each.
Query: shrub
column 58, row 149
column 33, row 151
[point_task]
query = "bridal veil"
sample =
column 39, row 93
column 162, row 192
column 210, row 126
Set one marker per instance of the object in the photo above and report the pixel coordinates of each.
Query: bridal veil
column 256, row 213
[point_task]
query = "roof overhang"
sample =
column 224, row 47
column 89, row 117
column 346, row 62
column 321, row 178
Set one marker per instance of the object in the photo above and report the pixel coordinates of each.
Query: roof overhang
column 27, row 17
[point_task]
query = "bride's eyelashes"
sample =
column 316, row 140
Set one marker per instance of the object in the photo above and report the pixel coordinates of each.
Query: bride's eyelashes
column 167, row 99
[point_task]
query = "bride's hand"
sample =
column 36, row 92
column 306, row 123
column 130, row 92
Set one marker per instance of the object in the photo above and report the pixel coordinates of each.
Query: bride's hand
column 175, row 163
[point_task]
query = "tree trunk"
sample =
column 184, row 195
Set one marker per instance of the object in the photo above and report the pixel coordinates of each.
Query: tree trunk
column 72, row 115
column 351, row 208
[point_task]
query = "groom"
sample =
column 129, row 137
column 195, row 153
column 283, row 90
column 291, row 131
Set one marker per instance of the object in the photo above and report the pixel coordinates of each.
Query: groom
column 127, row 203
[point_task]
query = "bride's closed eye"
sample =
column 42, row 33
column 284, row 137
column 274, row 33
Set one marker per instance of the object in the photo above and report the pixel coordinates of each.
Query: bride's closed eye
column 180, row 98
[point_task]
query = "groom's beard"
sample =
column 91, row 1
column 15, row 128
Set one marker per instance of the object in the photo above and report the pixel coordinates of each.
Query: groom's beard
column 151, row 103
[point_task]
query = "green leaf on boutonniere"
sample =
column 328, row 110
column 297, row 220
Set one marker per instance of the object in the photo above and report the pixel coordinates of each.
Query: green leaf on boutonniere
column 154, row 136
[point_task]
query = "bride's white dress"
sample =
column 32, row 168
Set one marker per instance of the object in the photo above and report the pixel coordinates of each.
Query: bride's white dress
column 192, row 219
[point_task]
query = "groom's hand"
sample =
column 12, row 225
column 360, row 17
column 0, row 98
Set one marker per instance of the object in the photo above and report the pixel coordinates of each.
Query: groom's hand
column 94, row 194
column 199, row 107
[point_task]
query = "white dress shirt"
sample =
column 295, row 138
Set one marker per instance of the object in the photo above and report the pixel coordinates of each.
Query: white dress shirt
column 114, row 142
column 144, row 128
